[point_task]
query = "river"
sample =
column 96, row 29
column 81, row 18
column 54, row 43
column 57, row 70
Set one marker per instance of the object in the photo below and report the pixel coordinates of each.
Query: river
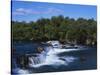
column 51, row 59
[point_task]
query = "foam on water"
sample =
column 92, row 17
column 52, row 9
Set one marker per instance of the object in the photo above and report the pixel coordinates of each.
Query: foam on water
column 20, row 71
column 57, row 50
column 52, row 58
column 55, row 60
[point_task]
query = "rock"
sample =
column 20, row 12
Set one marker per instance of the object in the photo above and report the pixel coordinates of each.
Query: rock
column 40, row 49
column 22, row 61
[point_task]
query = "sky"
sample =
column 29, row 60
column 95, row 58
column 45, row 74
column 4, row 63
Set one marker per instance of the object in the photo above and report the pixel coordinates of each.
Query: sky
column 32, row 11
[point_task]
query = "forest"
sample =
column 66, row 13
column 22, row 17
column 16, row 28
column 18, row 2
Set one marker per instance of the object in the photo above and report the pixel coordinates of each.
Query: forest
column 63, row 29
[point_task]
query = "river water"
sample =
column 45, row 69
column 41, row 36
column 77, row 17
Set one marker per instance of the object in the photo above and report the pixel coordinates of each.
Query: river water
column 51, row 59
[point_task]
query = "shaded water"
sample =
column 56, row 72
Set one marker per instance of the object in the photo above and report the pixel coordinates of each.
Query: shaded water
column 52, row 59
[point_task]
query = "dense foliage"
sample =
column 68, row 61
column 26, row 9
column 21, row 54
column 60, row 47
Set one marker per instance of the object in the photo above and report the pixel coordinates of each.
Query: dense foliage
column 64, row 29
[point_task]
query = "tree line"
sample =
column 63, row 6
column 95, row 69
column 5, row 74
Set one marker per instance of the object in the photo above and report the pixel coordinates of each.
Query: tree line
column 64, row 29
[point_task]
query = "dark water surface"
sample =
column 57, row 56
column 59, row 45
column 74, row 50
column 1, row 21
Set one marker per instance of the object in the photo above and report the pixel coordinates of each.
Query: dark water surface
column 68, row 60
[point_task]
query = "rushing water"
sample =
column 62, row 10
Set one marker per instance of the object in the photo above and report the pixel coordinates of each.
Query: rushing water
column 27, row 60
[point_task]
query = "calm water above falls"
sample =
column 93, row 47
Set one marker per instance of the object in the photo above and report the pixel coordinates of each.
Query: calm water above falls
column 53, row 59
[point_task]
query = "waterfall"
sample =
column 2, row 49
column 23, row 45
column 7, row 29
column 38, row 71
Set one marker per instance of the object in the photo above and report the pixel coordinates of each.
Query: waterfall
column 47, row 57
column 36, row 60
column 39, row 59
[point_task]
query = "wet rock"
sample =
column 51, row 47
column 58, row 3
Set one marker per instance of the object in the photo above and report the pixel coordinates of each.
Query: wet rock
column 40, row 49
column 63, row 59
column 22, row 61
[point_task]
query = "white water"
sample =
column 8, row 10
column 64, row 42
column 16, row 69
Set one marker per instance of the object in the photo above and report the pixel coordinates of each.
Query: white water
column 48, row 57
column 57, row 50
column 51, row 58
column 20, row 71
